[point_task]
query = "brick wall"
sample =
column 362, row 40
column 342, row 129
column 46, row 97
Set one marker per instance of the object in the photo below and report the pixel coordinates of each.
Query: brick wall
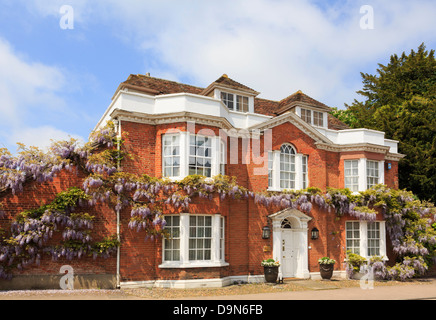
column 35, row 195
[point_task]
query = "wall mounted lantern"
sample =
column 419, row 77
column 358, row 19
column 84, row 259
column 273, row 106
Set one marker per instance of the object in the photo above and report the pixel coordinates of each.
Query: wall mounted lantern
column 266, row 232
column 315, row 233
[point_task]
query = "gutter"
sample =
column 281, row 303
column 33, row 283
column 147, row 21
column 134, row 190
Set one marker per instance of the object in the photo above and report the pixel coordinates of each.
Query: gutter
column 118, row 277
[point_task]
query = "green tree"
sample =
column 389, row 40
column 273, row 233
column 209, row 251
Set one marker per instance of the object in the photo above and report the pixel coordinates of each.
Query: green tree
column 400, row 99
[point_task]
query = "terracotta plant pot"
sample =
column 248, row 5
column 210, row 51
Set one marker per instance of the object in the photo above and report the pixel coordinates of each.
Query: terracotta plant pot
column 326, row 271
column 271, row 274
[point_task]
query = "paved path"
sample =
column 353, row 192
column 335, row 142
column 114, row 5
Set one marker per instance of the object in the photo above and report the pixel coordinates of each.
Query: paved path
column 401, row 292
column 317, row 291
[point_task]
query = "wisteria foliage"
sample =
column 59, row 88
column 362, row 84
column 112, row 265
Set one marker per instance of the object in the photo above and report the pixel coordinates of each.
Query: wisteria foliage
column 32, row 230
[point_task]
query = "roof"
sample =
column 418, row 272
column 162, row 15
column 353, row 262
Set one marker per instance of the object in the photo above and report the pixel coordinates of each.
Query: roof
column 226, row 82
column 157, row 86
column 299, row 96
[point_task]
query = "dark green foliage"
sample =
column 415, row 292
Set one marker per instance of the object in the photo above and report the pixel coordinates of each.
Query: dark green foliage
column 401, row 101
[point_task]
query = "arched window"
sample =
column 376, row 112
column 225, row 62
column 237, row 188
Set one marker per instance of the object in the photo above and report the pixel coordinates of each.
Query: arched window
column 286, row 224
column 287, row 167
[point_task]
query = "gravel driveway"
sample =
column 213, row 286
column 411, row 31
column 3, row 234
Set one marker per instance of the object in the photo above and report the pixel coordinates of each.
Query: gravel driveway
column 247, row 291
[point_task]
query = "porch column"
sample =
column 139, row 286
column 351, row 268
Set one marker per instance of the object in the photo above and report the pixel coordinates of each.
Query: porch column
column 303, row 272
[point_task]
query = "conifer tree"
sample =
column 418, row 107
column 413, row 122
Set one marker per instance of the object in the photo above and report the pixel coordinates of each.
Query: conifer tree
column 400, row 99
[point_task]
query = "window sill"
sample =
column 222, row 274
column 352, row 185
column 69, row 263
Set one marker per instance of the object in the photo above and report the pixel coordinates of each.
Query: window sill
column 281, row 190
column 193, row 264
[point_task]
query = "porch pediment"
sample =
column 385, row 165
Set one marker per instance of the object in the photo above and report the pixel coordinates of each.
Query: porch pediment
column 290, row 212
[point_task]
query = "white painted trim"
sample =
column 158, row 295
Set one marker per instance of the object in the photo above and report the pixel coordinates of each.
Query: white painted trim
column 302, row 261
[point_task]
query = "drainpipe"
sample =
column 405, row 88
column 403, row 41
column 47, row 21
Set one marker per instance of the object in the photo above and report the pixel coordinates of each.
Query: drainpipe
column 117, row 123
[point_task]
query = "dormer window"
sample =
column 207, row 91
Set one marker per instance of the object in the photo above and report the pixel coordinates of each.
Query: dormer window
column 314, row 118
column 235, row 102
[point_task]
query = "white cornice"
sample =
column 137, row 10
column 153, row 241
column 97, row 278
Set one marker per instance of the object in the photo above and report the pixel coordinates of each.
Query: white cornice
column 156, row 119
column 321, row 141
column 369, row 147
column 394, row 156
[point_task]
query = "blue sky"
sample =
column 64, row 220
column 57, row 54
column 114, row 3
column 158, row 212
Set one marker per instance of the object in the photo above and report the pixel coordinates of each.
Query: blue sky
column 56, row 83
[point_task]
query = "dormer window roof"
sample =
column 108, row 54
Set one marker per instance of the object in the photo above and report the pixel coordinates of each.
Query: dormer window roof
column 224, row 83
column 302, row 100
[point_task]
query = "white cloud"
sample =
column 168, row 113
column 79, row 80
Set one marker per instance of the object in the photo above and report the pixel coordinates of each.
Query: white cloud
column 30, row 92
column 40, row 137
column 277, row 47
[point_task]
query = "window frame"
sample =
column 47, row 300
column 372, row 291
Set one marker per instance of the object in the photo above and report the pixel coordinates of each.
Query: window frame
column 301, row 178
column 306, row 115
column 218, row 153
column 305, row 171
column 206, row 147
column 217, row 243
column 171, row 156
column 173, row 239
column 372, row 178
column 238, row 102
column 318, row 118
column 288, row 167
column 200, row 238
column 354, row 184
column 366, row 246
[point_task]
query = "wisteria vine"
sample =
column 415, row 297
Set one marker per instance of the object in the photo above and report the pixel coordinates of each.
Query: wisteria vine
column 31, row 232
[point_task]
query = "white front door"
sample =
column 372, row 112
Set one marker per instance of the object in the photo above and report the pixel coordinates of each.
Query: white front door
column 290, row 252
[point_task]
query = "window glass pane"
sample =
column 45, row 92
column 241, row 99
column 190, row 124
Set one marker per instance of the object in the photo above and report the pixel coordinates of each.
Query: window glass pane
column 270, row 169
column 171, row 250
column 171, row 156
column 200, row 155
column 318, row 119
column 241, row 103
column 372, row 172
column 351, row 174
column 352, row 234
column 306, row 115
column 228, row 99
column 200, row 237
column 373, row 235
column 287, row 167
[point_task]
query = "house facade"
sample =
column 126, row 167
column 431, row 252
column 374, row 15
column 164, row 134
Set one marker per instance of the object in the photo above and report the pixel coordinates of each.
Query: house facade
column 173, row 130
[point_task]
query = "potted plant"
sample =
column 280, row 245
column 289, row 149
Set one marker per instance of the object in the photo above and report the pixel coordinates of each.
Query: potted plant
column 326, row 266
column 271, row 270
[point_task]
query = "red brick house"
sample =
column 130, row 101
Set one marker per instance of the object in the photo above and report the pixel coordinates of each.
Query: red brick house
column 174, row 130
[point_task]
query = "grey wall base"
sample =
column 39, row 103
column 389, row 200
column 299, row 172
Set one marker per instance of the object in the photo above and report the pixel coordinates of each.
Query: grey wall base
column 51, row 282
